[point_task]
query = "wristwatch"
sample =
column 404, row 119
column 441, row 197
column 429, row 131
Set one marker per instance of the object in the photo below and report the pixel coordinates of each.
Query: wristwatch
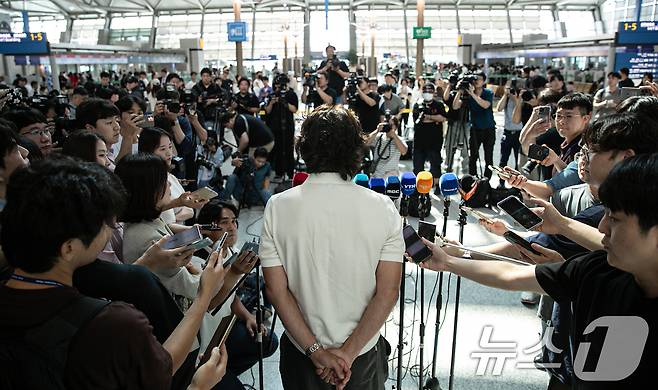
column 313, row 348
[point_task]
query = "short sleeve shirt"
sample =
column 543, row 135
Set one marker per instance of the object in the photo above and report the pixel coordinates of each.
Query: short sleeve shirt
column 594, row 289
column 315, row 232
column 482, row 118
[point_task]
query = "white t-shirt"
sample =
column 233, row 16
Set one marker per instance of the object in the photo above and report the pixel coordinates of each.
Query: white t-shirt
column 169, row 216
column 330, row 235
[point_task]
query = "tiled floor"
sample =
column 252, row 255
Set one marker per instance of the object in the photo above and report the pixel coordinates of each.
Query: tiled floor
column 479, row 307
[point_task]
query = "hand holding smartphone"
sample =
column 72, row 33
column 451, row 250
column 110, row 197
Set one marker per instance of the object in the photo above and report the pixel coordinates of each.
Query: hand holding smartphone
column 477, row 214
column 415, row 248
column 520, row 212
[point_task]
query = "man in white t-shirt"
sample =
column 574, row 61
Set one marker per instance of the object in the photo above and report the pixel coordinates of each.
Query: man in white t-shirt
column 331, row 253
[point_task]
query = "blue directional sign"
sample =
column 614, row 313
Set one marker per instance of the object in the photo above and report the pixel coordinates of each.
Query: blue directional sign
column 23, row 43
column 237, row 31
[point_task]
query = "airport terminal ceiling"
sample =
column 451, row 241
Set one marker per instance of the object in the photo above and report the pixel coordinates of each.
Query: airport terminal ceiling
column 83, row 7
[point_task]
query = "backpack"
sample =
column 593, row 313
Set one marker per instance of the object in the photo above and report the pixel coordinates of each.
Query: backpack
column 36, row 358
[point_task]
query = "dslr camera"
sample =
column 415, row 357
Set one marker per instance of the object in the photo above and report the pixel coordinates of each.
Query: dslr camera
column 387, row 125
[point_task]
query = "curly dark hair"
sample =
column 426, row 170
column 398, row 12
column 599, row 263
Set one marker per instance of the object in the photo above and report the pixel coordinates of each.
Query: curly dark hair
column 331, row 141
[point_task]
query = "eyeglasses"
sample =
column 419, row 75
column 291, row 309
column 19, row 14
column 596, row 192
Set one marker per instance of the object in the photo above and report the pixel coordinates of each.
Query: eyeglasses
column 48, row 131
column 559, row 117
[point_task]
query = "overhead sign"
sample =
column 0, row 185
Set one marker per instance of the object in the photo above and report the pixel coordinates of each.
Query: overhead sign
column 638, row 61
column 23, row 43
column 422, row 32
column 637, row 33
column 237, row 31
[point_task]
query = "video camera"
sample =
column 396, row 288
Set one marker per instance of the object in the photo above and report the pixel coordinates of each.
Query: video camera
column 352, row 87
column 310, row 80
column 281, row 84
column 465, row 82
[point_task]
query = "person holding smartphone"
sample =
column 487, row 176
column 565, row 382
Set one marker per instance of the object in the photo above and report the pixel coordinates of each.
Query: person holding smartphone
column 512, row 130
column 240, row 344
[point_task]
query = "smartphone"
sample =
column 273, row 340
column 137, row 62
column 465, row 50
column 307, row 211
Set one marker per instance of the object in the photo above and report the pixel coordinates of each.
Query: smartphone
column 183, row 238
column 414, row 246
column 544, row 112
column 206, row 193
column 219, row 244
column 520, row 212
column 427, row 230
column 477, row 214
column 219, row 337
column 250, row 246
column 627, row 92
column 516, row 239
column 199, row 244
column 500, row 172
column 538, row 152
column 147, row 122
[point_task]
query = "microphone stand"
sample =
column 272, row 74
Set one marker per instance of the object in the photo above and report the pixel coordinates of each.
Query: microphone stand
column 433, row 382
column 259, row 323
column 404, row 212
column 462, row 224
column 422, row 203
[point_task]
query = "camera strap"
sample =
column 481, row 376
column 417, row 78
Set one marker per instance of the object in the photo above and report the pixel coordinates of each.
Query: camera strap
column 246, row 123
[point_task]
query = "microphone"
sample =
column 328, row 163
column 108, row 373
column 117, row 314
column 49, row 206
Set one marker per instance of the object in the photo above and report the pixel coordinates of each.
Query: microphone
column 378, row 185
column 467, row 187
column 393, row 187
column 408, row 187
column 299, row 178
column 361, row 179
column 448, row 184
column 424, row 182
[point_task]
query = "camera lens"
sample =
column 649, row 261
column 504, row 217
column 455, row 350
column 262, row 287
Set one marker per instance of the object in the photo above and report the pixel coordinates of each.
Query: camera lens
column 528, row 167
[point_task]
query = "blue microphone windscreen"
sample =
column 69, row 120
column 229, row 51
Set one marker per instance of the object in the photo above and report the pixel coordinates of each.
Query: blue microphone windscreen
column 361, row 179
column 392, row 180
column 408, row 183
column 378, row 185
column 449, row 184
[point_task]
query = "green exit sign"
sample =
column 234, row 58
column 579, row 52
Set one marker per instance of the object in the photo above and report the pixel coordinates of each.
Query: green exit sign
column 422, row 32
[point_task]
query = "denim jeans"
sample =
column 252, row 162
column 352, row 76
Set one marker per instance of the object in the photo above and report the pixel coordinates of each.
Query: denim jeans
column 235, row 187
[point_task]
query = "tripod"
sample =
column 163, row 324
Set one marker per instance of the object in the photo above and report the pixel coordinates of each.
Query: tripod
column 456, row 137
column 462, row 224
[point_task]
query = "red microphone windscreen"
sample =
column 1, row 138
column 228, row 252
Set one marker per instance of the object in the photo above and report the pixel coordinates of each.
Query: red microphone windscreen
column 299, row 178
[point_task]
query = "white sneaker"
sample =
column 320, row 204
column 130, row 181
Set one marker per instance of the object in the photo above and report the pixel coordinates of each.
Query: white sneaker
column 529, row 298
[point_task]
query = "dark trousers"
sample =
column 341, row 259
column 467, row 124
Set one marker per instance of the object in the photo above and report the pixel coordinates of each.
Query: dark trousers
column 369, row 371
column 433, row 155
column 282, row 156
column 509, row 142
column 486, row 138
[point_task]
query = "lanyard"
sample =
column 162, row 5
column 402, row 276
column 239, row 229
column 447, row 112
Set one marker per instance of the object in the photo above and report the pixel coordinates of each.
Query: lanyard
column 45, row 282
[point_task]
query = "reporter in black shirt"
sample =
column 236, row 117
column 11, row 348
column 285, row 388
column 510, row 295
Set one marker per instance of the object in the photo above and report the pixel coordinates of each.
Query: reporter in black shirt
column 615, row 289
column 428, row 116
column 245, row 102
column 365, row 104
column 321, row 93
column 250, row 132
column 337, row 71
column 280, row 110
column 208, row 96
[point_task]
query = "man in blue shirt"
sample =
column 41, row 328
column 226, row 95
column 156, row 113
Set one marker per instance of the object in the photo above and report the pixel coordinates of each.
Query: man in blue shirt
column 483, row 126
